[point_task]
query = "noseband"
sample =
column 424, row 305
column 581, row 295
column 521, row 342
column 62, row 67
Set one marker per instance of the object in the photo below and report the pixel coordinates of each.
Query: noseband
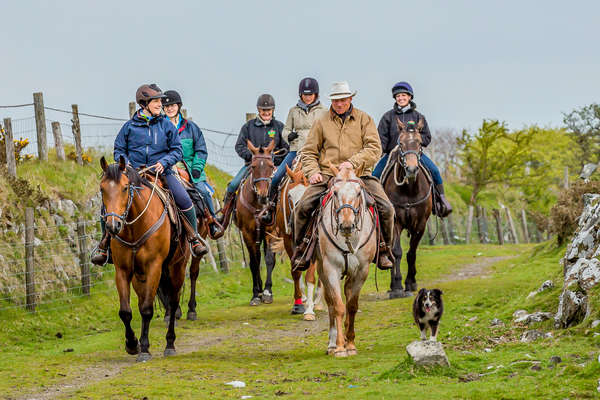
column 265, row 179
column 355, row 210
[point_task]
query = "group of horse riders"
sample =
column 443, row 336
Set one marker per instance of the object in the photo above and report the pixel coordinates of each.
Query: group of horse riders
column 159, row 137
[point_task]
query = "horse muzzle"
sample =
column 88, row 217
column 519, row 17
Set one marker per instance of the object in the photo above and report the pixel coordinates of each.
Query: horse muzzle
column 346, row 229
column 411, row 173
column 115, row 226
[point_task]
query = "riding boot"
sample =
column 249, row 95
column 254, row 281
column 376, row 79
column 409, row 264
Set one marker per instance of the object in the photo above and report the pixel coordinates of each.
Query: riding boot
column 444, row 208
column 384, row 262
column 267, row 217
column 100, row 255
column 228, row 205
column 196, row 245
column 215, row 229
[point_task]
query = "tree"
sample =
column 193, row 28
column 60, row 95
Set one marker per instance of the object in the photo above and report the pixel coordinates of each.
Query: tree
column 583, row 125
column 494, row 155
column 443, row 150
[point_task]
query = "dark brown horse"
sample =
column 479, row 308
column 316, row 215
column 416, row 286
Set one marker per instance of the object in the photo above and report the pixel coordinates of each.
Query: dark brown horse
column 292, row 190
column 147, row 251
column 409, row 188
column 251, row 204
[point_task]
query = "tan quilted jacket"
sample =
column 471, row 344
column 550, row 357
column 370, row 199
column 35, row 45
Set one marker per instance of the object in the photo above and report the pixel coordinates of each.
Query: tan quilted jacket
column 300, row 121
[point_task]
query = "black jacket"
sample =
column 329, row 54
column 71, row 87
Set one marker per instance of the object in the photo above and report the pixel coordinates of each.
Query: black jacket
column 261, row 135
column 388, row 127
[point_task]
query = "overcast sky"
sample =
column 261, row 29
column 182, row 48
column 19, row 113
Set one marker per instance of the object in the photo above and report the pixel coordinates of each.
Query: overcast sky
column 523, row 62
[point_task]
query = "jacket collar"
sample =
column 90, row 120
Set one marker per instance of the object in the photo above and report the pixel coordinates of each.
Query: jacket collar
column 142, row 120
column 307, row 107
column 411, row 106
column 260, row 122
column 351, row 113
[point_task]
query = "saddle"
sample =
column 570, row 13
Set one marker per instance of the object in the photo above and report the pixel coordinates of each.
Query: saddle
column 165, row 196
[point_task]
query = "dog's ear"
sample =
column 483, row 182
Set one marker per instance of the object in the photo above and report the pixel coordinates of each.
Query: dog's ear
column 438, row 292
column 422, row 292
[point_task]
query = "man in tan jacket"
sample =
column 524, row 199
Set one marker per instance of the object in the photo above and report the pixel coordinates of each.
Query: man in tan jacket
column 345, row 137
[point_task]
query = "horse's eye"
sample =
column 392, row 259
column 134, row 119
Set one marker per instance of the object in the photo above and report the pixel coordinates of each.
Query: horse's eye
column 124, row 189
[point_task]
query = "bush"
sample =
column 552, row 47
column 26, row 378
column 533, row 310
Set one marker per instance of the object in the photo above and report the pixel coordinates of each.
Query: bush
column 568, row 208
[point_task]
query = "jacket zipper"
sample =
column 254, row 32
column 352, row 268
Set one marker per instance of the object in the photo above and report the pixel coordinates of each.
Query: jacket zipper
column 150, row 136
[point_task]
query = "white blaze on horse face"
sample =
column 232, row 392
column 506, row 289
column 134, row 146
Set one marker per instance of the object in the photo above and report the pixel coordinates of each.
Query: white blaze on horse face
column 296, row 193
column 348, row 193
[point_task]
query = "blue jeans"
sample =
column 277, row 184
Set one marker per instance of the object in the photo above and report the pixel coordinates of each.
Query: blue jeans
column 281, row 171
column 237, row 180
column 426, row 161
column 182, row 198
column 203, row 191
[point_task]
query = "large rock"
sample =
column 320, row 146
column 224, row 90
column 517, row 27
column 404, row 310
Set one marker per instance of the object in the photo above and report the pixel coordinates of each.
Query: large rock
column 427, row 353
column 581, row 266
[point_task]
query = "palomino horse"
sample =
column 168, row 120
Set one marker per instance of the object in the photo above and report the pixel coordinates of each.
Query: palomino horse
column 292, row 191
column 147, row 252
column 250, row 205
column 347, row 244
column 411, row 194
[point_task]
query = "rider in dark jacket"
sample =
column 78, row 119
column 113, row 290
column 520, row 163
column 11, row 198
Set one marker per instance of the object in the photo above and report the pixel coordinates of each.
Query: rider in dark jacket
column 260, row 131
column 150, row 140
column 405, row 110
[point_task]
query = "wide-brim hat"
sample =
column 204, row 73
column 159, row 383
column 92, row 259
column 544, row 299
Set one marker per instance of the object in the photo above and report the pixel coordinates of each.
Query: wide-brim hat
column 340, row 90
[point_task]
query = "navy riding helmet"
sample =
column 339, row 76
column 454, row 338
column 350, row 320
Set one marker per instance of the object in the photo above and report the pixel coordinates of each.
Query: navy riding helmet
column 402, row 87
column 308, row 86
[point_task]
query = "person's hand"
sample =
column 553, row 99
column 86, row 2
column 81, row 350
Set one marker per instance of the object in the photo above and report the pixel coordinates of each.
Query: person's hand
column 158, row 167
column 346, row 164
column 196, row 173
column 316, row 178
column 292, row 136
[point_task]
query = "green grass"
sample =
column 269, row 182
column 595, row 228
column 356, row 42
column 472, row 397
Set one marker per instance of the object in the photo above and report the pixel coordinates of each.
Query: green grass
column 277, row 354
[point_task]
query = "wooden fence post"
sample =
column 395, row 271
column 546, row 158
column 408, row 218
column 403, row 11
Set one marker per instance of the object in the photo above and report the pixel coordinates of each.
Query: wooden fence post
column 524, row 226
column 132, row 107
column 430, row 234
column 184, row 113
column 29, row 261
column 223, row 261
column 9, row 147
column 451, row 230
column 58, row 142
column 84, row 265
column 250, row 116
column 40, row 124
column 469, row 224
column 484, row 224
column 76, row 128
column 566, row 178
column 498, row 219
column 444, row 229
column 511, row 225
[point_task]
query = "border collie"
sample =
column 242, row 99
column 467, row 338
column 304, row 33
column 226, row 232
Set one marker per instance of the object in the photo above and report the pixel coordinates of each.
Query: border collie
column 427, row 311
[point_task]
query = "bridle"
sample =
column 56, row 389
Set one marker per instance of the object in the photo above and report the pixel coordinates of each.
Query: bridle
column 336, row 209
column 262, row 179
column 402, row 161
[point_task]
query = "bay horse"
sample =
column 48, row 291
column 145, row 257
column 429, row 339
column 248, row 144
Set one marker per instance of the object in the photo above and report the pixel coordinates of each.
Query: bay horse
column 251, row 204
column 147, row 251
column 347, row 245
column 291, row 192
column 411, row 194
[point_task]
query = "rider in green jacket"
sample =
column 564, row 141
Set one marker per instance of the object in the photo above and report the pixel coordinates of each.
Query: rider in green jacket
column 194, row 154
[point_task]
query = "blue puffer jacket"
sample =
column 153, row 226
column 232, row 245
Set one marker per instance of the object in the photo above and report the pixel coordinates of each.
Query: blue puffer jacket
column 144, row 143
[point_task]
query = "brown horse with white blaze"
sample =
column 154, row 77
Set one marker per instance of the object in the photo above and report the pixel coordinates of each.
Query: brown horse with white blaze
column 251, row 204
column 410, row 191
column 146, row 251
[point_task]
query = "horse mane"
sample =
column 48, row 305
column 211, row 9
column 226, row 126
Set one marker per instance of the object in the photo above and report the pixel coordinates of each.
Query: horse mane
column 346, row 173
column 113, row 173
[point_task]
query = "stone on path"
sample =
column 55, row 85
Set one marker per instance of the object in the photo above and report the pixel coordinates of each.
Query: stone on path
column 427, row 353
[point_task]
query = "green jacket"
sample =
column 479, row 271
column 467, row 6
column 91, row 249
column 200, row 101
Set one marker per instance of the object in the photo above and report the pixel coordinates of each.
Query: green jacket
column 194, row 149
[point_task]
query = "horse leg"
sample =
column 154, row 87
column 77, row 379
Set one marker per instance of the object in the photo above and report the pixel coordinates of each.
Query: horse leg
column 319, row 297
column 352, row 289
column 267, row 296
column 146, row 291
column 309, row 314
column 176, row 279
column 254, row 256
column 132, row 346
column 396, row 290
column 298, row 307
column 337, row 308
column 194, row 272
column 411, row 258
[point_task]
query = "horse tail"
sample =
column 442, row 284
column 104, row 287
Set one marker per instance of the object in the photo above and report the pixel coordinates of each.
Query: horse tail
column 277, row 245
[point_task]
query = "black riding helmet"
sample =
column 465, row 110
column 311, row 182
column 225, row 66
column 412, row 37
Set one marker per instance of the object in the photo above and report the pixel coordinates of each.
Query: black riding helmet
column 265, row 101
column 172, row 97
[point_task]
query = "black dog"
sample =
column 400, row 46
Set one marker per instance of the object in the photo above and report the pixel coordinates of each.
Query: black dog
column 427, row 310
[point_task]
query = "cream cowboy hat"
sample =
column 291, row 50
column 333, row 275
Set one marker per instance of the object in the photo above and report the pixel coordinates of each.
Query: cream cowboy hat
column 340, row 90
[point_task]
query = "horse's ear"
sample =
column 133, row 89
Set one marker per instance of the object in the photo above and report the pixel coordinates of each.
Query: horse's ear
column 335, row 171
column 251, row 147
column 103, row 163
column 401, row 126
column 270, row 147
column 122, row 163
column 420, row 124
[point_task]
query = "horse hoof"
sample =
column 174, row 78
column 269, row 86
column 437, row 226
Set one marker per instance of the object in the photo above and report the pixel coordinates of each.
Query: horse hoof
column 309, row 317
column 330, row 351
column 298, row 309
column 255, row 301
column 340, row 353
column 399, row 294
column 133, row 350
column 143, row 357
column 192, row 316
column 169, row 352
column 351, row 352
column 411, row 287
column 267, row 298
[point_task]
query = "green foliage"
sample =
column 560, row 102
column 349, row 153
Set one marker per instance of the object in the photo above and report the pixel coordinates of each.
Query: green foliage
column 583, row 124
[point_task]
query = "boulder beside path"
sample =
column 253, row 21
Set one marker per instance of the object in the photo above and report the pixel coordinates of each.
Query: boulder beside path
column 427, row 353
